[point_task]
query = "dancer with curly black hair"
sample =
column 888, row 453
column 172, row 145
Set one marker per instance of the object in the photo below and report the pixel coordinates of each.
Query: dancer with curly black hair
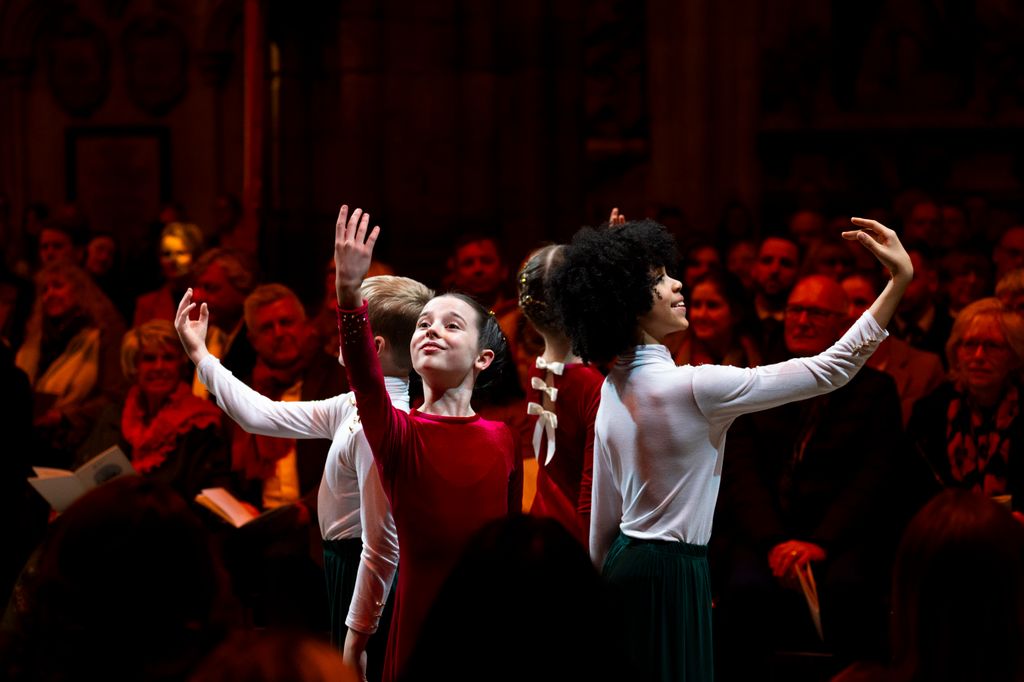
column 660, row 430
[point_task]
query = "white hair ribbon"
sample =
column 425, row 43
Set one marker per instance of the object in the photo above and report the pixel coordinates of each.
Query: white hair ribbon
column 550, row 391
column 547, row 422
column 553, row 367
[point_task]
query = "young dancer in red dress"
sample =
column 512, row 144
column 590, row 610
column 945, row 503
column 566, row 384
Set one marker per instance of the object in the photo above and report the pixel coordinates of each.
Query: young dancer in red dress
column 446, row 471
column 564, row 399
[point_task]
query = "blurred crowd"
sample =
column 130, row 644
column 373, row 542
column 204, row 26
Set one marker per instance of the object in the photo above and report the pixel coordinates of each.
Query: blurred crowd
column 139, row 573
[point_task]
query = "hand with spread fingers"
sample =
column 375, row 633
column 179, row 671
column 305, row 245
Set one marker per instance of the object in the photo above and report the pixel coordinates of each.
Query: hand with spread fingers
column 887, row 248
column 353, row 252
column 192, row 332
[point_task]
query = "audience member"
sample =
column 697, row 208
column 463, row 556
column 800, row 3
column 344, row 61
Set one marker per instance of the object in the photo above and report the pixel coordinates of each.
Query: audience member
column 180, row 245
column 168, row 434
column 223, row 280
column 721, row 323
column 565, row 394
column 1010, row 290
column 101, row 262
column 916, row 372
column 22, row 509
column 700, row 259
column 966, row 276
column 277, row 326
column 829, row 258
column 807, row 228
column 922, row 224
column 479, row 270
column 969, row 430
column 955, row 232
column 1008, row 253
column 805, row 486
column 957, row 595
column 739, row 261
column 61, row 240
column 70, row 356
column 923, row 320
column 126, row 587
column 774, row 275
column 272, row 656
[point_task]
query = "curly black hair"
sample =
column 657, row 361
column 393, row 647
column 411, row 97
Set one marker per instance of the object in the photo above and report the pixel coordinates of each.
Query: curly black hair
column 606, row 282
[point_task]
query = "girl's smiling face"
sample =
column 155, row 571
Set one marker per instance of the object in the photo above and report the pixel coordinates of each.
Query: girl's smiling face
column 668, row 312
column 444, row 347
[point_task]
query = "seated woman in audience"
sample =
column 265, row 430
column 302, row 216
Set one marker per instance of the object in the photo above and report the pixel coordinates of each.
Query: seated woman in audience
column 720, row 313
column 167, row 433
column 957, row 596
column 69, row 355
column 970, row 430
column 564, row 398
column 446, row 471
column 660, row 430
column 181, row 244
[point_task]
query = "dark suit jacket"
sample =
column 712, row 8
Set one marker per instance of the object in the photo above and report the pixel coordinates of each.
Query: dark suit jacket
column 838, row 492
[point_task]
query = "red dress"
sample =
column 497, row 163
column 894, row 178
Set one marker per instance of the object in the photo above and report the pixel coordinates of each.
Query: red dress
column 564, row 483
column 445, row 478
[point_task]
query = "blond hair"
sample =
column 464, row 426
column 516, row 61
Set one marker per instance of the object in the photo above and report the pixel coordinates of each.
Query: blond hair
column 189, row 233
column 152, row 334
column 1011, row 284
column 1010, row 322
column 395, row 303
column 263, row 295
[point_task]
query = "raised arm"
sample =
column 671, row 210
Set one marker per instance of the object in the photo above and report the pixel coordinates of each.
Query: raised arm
column 382, row 423
column 727, row 392
column 254, row 412
column 886, row 247
column 353, row 251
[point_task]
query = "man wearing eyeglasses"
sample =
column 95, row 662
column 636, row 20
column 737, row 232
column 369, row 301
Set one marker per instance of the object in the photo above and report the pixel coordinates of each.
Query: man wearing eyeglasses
column 808, row 485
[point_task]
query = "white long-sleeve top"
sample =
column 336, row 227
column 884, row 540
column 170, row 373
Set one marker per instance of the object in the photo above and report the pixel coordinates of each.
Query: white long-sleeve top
column 660, row 432
column 351, row 502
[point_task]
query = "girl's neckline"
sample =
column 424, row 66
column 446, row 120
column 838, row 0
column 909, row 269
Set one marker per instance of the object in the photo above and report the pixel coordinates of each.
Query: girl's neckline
column 445, row 418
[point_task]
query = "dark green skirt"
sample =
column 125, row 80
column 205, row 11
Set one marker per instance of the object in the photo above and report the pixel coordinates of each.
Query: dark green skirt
column 341, row 563
column 663, row 591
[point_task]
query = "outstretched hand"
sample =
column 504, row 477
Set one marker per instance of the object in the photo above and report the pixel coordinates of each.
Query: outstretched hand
column 353, row 252
column 192, row 332
column 616, row 218
column 886, row 247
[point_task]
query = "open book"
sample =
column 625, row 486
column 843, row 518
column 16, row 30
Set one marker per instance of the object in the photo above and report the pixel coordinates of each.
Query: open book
column 230, row 509
column 61, row 487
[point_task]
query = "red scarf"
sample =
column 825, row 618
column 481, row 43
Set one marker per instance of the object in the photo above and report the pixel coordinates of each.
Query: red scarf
column 256, row 456
column 151, row 441
column 978, row 447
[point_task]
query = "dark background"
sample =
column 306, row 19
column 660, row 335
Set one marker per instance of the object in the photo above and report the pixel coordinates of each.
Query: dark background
column 526, row 119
